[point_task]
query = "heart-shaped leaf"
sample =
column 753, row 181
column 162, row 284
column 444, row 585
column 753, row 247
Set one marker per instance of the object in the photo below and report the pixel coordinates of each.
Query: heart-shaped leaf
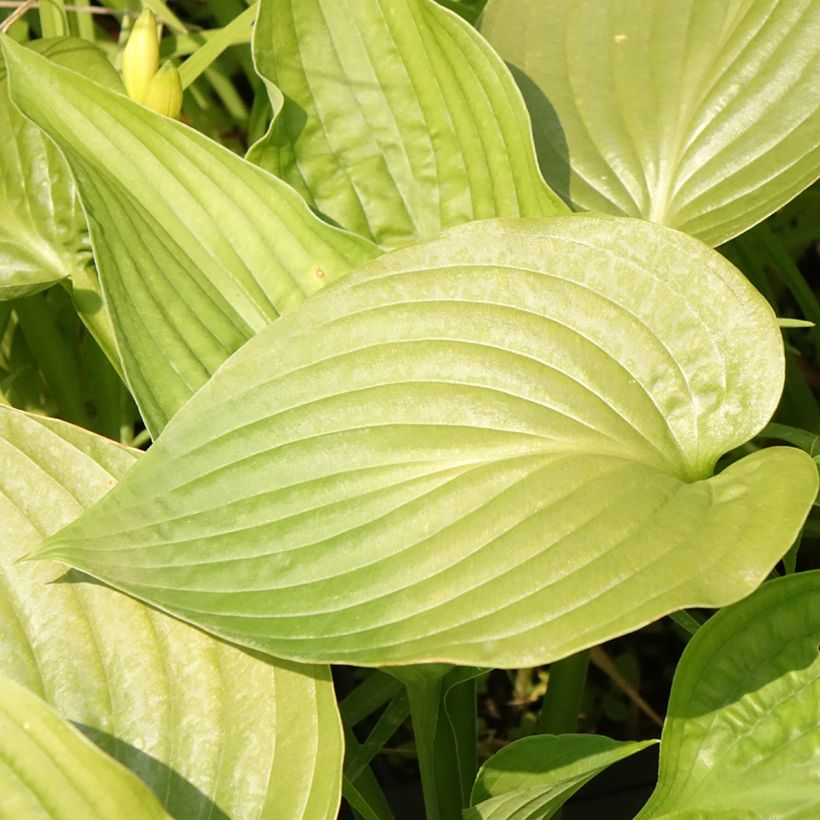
column 533, row 777
column 699, row 114
column 211, row 729
column 48, row 769
column 492, row 449
column 197, row 248
column 742, row 734
column 394, row 118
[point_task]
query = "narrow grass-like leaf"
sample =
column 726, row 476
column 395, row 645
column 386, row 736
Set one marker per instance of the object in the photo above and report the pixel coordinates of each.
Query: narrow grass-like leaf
column 197, row 249
column 699, row 114
column 49, row 770
column 742, row 733
column 533, row 777
column 394, row 118
column 212, row 730
column 494, row 449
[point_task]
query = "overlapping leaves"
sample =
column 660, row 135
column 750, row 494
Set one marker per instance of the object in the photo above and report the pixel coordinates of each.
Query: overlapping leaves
column 42, row 227
column 48, row 769
column 394, row 118
column 493, row 449
column 196, row 248
column 212, row 730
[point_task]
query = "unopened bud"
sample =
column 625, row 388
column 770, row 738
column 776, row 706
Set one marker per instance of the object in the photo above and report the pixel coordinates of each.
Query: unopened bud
column 164, row 92
column 140, row 58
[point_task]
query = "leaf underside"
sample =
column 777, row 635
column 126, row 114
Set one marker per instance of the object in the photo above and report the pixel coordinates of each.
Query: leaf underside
column 211, row 730
column 698, row 114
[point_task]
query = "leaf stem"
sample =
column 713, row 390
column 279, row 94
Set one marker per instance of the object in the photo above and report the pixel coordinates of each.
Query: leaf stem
column 51, row 352
column 435, row 746
column 559, row 714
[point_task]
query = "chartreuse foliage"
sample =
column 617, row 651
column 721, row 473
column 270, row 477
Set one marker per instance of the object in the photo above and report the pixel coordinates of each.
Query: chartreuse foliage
column 41, row 222
column 43, row 233
column 176, row 219
column 49, row 770
column 494, row 448
column 742, row 733
column 211, row 729
column 394, row 118
column 533, row 777
column 740, row 738
column 491, row 446
column 700, row 114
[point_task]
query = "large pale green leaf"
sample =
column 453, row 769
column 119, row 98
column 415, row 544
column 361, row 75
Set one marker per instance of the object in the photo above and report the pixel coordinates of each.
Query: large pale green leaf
column 211, row 729
column 700, row 114
column 742, row 734
column 533, row 777
column 49, row 770
column 197, row 248
column 494, row 448
column 394, row 118
column 43, row 232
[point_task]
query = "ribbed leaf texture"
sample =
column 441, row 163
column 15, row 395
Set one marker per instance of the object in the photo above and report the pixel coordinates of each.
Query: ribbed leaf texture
column 212, row 730
column 699, row 114
column 742, row 734
column 394, row 118
column 197, row 249
column 494, row 449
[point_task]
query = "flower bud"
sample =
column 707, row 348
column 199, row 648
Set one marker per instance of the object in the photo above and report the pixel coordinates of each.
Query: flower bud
column 164, row 92
column 140, row 58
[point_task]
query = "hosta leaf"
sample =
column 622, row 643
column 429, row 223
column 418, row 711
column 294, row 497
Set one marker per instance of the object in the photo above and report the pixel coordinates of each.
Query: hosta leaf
column 211, row 729
column 394, row 118
column 49, row 770
column 197, row 249
column 533, row 777
column 699, row 114
column 742, row 734
column 492, row 449
column 43, row 232
column 42, row 227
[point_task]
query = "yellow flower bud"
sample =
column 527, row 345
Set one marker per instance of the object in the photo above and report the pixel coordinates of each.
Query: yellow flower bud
column 164, row 92
column 140, row 58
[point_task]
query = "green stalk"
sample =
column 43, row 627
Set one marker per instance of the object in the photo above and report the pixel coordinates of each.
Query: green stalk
column 52, row 355
column 108, row 392
column 460, row 701
column 684, row 619
column 85, row 292
column 565, row 688
column 435, row 747
column 52, row 18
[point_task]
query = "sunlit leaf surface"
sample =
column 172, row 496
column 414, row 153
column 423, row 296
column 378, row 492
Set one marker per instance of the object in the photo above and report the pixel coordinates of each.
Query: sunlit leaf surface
column 742, row 734
column 394, row 118
column 43, row 233
column 197, row 249
column 212, row 730
column 49, row 770
column 533, row 777
column 494, row 448
column 699, row 114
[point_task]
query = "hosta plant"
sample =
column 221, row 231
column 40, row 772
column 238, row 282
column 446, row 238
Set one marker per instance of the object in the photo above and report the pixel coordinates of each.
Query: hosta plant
column 424, row 395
